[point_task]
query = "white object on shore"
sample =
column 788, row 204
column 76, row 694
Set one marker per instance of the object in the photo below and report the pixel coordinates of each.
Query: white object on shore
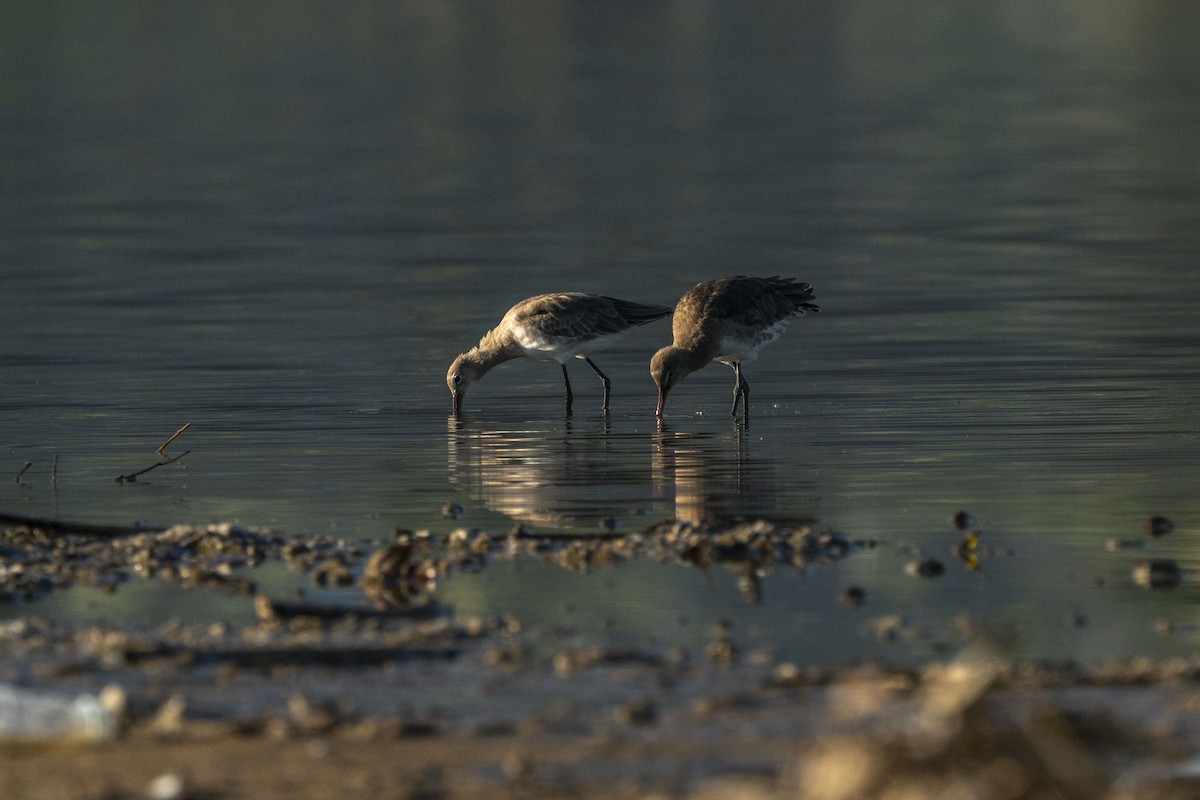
column 168, row 786
column 30, row 715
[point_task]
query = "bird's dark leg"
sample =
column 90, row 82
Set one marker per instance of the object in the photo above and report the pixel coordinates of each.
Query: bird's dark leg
column 737, row 389
column 745, row 397
column 603, row 377
column 567, row 381
column 741, row 392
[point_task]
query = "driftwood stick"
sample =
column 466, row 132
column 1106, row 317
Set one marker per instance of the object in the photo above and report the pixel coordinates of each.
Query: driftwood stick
column 81, row 528
column 174, row 436
column 54, row 469
column 300, row 655
column 133, row 476
column 562, row 536
column 269, row 610
column 24, row 469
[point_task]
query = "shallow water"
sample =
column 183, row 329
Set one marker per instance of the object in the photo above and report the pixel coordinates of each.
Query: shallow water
column 281, row 229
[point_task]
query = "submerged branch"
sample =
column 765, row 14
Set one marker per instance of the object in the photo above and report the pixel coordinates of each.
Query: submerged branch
column 133, row 476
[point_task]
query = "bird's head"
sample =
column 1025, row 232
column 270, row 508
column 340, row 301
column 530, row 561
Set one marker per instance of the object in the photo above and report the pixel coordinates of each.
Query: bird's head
column 462, row 373
column 668, row 367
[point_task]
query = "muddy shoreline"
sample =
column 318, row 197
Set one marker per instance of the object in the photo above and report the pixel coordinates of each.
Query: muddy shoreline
column 396, row 694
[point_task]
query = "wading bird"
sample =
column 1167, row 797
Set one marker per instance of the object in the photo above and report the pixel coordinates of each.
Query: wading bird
column 551, row 327
column 727, row 320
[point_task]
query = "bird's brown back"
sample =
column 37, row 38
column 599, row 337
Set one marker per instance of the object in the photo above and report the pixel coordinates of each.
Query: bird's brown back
column 737, row 304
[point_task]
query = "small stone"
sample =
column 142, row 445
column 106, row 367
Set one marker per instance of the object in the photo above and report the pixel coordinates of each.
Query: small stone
column 516, row 765
column 924, row 568
column 722, row 651
column 889, row 628
column 513, row 655
column 1157, row 526
column 1159, row 573
column 114, row 701
column 393, row 579
column 452, row 511
column 168, row 786
column 786, row 672
column 168, row 721
column 277, row 729
column 1115, row 545
column 853, row 596
column 332, row 572
column 311, row 717
column 639, row 712
column 962, row 521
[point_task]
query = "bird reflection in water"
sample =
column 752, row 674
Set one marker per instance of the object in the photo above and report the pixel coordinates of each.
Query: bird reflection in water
column 568, row 476
column 715, row 482
column 712, row 480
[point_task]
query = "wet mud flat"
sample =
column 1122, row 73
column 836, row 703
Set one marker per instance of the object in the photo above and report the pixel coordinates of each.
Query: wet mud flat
column 395, row 695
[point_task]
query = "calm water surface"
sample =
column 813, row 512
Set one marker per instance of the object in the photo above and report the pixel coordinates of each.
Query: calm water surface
column 282, row 227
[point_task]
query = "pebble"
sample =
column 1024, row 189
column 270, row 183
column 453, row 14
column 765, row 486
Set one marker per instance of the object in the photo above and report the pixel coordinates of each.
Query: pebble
column 516, row 765
column 1159, row 573
column 168, row 786
column 639, row 712
column 1114, row 545
column 853, row 596
column 889, row 627
column 924, row 568
column 1157, row 526
column 168, row 720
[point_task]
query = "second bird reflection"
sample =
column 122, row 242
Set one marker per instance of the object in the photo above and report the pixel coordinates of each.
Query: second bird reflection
column 715, row 484
column 712, row 480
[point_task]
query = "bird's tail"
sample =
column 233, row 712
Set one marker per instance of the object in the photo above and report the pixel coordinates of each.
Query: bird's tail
column 639, row 313
column 800, row 294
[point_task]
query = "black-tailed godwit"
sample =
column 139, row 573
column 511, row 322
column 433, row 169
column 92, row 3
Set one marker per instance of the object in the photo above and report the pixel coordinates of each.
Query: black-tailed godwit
column 551, row 327
column 727, row 320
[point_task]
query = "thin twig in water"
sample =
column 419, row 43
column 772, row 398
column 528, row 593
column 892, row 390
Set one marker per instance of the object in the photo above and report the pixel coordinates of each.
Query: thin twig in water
column 133, row 476
column 54, row 469
column 25, row 468
column 174, row 436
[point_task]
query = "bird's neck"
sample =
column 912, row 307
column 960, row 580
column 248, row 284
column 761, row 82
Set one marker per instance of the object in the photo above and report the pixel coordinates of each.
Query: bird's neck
column 695, row 354
column 494, row 348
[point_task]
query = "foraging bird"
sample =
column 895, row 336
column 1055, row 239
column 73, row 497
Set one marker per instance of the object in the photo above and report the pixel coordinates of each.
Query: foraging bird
column 551, row 327
column 727, row 320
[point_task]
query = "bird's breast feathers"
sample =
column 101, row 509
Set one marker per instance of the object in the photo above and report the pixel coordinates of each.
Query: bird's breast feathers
column 547, row 346
column 743, row 345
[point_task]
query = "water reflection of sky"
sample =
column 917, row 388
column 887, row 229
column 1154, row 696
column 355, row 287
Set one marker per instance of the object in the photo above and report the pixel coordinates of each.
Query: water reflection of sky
column 283, row 230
